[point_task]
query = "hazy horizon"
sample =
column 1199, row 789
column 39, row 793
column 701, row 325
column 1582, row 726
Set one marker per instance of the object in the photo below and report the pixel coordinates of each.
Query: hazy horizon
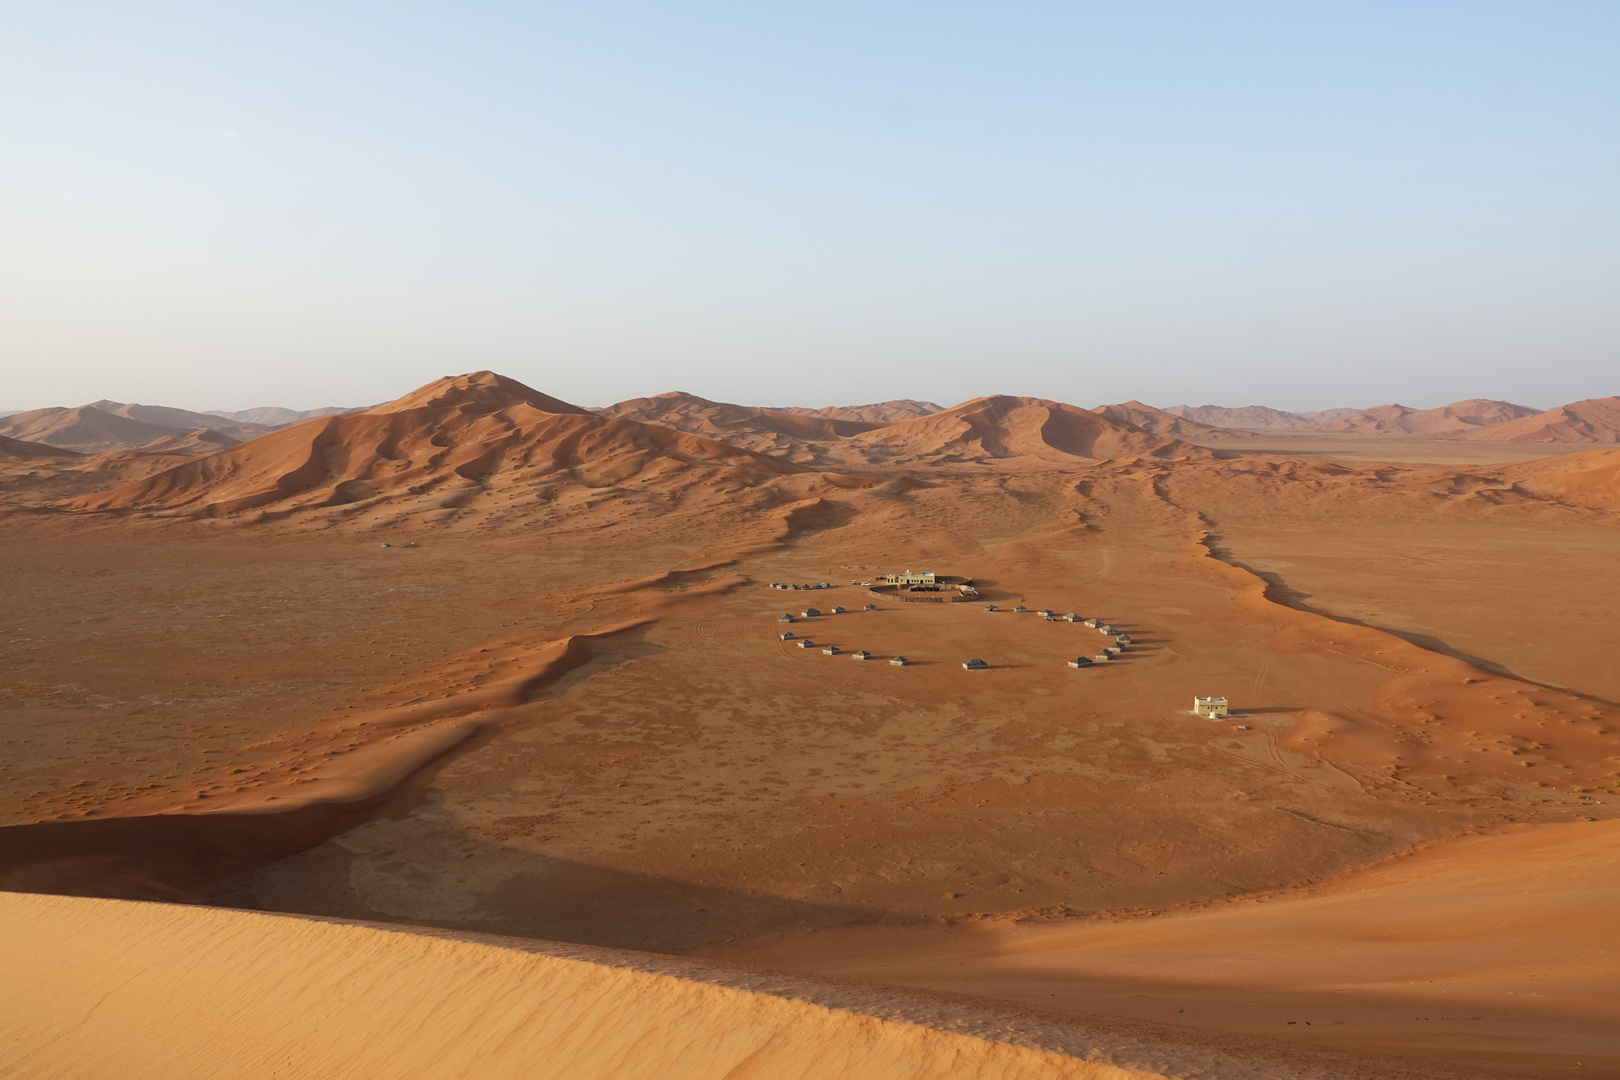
column 1307, row 209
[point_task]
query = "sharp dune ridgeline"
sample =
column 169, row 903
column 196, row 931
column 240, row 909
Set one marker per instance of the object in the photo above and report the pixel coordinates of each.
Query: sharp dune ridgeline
column 479, row 733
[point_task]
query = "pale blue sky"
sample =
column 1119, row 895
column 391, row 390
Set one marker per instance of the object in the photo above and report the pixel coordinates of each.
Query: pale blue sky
column 1296, row 204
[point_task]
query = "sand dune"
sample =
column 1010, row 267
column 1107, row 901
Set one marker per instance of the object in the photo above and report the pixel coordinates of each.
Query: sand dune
column 881, row 412
column 100, row 988
column 1004, row 429
column 1162, row 422
column 85, row 429
column 1470, row 418
column 200, row 441
column 1257, row 417
column 271, row 416
column 182, row 419
column 440, row 442
column 22, row 450
column 1594, row 420
column 781, row 433
column 1591, row 478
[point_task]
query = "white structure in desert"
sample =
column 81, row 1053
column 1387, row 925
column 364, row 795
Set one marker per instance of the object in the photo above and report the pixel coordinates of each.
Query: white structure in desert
column 1212, row 707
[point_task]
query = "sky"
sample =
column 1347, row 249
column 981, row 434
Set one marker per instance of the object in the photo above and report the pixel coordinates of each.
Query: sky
column 1303, row 205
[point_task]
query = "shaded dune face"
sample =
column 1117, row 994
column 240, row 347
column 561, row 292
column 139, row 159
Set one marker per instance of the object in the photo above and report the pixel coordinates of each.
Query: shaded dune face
column 23, row 450
column 447, row 436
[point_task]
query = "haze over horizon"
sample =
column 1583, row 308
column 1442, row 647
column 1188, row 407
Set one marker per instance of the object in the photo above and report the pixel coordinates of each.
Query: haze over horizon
column 301, row 207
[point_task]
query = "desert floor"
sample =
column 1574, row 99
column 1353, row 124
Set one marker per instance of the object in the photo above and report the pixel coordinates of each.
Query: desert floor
column 591, row 733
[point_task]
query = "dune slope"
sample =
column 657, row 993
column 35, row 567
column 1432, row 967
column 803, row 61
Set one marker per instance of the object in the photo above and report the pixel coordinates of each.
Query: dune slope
column 130, row 989
column 1487, row 950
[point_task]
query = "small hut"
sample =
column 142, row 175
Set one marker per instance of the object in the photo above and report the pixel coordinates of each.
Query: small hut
column 870, row 607
column 1049, row 617
column 1071, row 617
column 861, row 654
column 831, row 650
column 1106, row 629
column 785, row 617
column 1090, row 622
column 975, row 665
column 1123, row 639
column 1020, row 609
column 1101, row 658
column 809, row 613
column 837, row 611
column 1045, row 613
column 1079, row 662
column 990, row 607
column 787, row 635
column 898, row 661
column 1113, row 650
column 806, row 643
column 1212, row 707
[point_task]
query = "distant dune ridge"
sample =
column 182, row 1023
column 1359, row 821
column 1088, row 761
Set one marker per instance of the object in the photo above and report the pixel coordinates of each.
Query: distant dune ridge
column 86, row 428
column 1164, row 422
column 274, row 416
column 1595, row 420
column 743, row 425
column 1591, row 420
column 1003, row 428
column 1250, row 416
column 881, row 412
column 1459, row 419
column 434, row 444
column 20, row 449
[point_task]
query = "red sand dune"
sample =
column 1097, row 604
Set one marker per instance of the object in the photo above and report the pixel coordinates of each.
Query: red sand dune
column 1163, row 422
column 1595, row 420
column 85, row 428
column 1470, row 418
column 443, row 438
column 1012, row 429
